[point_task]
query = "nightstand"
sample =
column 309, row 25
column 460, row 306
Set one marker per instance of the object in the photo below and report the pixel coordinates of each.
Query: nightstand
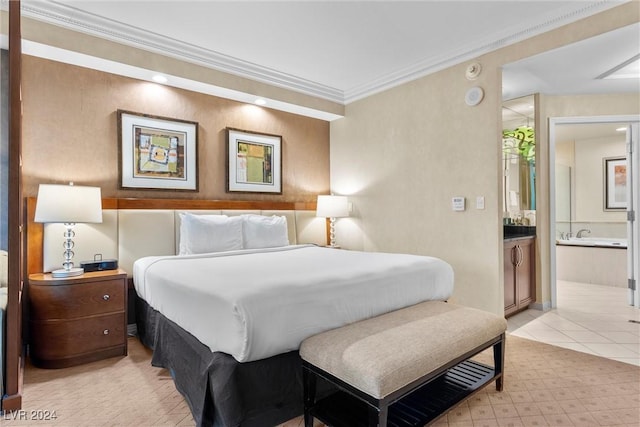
column 77, row 320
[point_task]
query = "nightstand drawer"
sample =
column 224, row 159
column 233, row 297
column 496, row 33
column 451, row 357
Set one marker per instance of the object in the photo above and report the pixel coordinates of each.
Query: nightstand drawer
column 72, row 301
column 55, row 339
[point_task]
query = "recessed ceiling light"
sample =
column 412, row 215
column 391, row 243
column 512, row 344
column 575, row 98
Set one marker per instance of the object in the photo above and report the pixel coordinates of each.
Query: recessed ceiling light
column 621, row 129
column 260, row 101
column 158, row 78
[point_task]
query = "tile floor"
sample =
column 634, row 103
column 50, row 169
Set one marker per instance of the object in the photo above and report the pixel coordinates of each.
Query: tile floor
column 589, row 318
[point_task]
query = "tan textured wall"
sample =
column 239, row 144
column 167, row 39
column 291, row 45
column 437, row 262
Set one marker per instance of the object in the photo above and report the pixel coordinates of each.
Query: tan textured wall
column 403, row 154
column 70, row 133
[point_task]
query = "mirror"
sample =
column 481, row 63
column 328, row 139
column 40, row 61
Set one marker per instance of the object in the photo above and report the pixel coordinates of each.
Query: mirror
column 518, row 160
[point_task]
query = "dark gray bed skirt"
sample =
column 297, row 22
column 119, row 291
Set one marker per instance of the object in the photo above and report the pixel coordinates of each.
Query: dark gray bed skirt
column 219, row 390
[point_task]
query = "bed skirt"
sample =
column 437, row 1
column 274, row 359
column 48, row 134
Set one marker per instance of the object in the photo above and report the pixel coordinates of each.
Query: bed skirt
column 220, row 390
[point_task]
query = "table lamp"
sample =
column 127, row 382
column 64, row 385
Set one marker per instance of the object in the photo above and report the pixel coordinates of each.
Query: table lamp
column 332, row 207
column 68, row 205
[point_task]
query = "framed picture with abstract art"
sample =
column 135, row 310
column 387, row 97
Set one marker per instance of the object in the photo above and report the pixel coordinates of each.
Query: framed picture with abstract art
column 254, row 162
column 157, row 153
column 615, row 183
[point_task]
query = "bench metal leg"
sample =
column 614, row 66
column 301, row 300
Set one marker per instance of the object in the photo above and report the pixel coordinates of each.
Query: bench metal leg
column 498, row 362
column 378, row 416
column 309, row 382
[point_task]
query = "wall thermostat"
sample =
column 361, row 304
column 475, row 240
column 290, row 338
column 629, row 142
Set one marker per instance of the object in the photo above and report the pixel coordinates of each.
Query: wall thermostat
column 457, row 203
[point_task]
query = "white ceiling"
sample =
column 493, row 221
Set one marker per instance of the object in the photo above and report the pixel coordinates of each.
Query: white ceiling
column 574, row 69
column 344, row 50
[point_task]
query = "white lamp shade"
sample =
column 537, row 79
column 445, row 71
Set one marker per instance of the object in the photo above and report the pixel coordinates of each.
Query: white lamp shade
column 332, row 206
column 68, row 204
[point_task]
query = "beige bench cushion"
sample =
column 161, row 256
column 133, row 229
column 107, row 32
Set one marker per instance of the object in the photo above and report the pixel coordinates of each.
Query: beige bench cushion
column 383, row 354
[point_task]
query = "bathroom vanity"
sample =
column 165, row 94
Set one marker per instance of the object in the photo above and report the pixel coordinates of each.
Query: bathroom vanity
column 519, row 268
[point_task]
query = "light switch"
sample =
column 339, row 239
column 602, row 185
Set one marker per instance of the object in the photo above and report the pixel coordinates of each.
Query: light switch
column 480, row 202
column 457, row 203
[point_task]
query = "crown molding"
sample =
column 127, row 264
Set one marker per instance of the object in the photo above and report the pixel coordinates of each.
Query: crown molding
column 77, row 20
column 508, row 36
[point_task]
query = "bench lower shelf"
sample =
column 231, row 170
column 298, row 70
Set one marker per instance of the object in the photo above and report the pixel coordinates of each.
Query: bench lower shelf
column 418, row 408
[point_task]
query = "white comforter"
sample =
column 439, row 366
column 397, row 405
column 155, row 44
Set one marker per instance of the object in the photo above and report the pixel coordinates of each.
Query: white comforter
column 254, row 304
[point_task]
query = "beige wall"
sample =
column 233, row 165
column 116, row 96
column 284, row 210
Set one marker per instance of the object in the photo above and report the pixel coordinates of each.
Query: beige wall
column 589, row 182
column 401, row 156
column 70, row 133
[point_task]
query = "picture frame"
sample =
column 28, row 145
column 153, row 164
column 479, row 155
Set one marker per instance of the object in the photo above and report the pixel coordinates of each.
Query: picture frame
column 615, row 183
column 253, row 162
column 157, row 153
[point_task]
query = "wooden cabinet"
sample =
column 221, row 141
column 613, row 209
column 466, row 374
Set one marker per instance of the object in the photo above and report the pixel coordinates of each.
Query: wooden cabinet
column 519, row 274
column 78, row 319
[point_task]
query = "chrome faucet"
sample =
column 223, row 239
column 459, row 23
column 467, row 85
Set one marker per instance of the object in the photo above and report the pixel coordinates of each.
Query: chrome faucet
column 581, row 232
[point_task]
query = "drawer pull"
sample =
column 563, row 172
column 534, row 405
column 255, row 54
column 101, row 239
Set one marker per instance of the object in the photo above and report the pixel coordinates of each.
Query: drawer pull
column 105, row 332
column 105, row 297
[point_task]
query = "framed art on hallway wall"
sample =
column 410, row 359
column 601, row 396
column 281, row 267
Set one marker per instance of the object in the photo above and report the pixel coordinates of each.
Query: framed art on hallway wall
column 157, row 153
column 254, row 162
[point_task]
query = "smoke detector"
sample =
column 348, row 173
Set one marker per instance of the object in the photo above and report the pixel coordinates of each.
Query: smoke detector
column 473, row 71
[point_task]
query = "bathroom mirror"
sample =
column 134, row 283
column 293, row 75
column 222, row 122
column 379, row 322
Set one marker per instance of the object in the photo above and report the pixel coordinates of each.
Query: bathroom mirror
column 518, row 160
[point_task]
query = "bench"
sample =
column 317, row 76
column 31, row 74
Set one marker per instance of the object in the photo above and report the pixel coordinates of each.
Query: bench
column 403, row 368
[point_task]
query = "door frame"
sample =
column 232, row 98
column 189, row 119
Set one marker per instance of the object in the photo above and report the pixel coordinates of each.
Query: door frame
column 553, row 121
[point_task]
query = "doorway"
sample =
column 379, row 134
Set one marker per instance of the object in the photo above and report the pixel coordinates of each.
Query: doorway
column 606, row 218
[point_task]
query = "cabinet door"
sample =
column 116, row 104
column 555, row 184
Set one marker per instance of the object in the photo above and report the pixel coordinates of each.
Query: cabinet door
column 524, row 274
column 510, row 301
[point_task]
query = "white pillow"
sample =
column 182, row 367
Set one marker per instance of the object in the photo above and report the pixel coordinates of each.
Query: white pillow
column 209, row 233
column 260, row 231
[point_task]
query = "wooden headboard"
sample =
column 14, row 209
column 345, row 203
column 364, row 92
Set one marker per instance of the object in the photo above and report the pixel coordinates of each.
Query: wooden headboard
column 117, row 212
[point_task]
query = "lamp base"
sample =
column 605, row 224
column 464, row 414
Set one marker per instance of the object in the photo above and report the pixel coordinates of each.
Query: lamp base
column 77, row 271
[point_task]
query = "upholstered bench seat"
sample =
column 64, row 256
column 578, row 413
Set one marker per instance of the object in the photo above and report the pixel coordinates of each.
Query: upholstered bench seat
column 385, row 358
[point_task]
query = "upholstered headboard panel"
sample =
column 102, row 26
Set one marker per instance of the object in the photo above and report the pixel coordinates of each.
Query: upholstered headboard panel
column 128, row 234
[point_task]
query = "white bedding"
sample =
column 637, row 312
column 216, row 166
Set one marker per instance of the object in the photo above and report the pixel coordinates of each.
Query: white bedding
column 253, row 304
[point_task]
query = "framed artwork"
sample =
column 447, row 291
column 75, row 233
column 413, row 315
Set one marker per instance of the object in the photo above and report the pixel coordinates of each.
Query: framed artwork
column 254, row 162
column 157, row 153
column 615, row 183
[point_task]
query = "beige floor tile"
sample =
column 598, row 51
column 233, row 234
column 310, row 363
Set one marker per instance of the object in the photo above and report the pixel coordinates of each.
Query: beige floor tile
column 534, row 421
column 588, row 315
column 505, row 410
column 611, row 350
column 486, row 423
column 558, row 420
column 583, row 419
column 510, row 422
column 481, row 412
column 607, row 418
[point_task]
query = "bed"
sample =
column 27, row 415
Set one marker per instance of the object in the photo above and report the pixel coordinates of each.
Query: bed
column 238, row 364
